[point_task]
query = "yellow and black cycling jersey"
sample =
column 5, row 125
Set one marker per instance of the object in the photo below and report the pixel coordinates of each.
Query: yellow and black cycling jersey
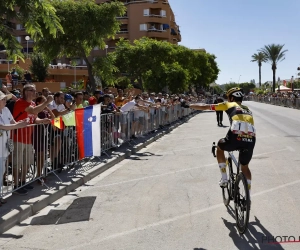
column 240, row 117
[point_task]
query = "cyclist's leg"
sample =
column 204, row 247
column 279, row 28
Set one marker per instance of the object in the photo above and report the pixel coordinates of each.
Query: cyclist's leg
column 245, row 157
column 246, row 171
column 224, row 144
column 220, row 155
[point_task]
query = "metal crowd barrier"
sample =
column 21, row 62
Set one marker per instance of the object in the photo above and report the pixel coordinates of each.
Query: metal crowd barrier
column 38, row 151
column 41, row 150
column 279, row 101
column 119, row 128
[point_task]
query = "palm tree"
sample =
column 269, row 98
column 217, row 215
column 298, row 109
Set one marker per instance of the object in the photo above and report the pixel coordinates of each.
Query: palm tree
column 259, row 58
column 274, row 53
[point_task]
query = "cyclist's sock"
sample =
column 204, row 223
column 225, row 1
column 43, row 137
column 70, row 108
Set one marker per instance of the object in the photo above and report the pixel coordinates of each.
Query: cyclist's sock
column 249, row 187
column 222, row 167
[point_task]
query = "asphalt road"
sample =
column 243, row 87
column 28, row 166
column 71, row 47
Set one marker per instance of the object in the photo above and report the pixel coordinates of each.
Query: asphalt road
column 167, row 196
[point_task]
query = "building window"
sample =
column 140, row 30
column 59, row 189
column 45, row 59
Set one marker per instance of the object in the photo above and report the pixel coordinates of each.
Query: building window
column 163, row 13
column 143, row 27
column 146, row 12
column 19, row 39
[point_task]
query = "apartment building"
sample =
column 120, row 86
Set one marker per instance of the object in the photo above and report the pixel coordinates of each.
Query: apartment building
column 144, row 18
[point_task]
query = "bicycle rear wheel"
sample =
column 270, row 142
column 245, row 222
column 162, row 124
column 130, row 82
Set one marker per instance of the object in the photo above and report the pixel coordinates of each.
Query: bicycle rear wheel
column 242, row 203
column 227, row 192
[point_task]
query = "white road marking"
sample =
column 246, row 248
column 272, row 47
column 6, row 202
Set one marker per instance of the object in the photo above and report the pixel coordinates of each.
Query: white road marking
column 170, row 173
column 266, row 136
column 290, row 148
column 275, row 151
column 276, row 188
column 179, row 150
column 153, row 176
column 176, row 218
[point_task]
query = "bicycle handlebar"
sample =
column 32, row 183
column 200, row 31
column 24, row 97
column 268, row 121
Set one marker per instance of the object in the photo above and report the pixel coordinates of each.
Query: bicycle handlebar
column 213, row 149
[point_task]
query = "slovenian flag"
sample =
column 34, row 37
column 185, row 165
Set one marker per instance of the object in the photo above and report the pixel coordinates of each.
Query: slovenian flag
column 88, row 131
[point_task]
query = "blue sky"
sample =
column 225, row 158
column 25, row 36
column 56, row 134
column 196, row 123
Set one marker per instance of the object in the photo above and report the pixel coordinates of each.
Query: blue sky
column 234, row 30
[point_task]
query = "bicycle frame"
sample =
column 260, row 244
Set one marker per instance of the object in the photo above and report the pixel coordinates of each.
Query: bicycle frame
column 237, row 164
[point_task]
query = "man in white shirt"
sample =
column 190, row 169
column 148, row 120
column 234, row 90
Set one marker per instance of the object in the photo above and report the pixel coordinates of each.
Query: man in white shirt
column 57, row 105
column 56, row 136
column 132, row 118
column 128, row 106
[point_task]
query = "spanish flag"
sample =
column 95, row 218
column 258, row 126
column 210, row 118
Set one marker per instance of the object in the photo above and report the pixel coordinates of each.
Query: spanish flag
column 58, row 122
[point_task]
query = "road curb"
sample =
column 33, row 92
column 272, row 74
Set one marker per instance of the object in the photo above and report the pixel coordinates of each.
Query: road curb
column 24, row 211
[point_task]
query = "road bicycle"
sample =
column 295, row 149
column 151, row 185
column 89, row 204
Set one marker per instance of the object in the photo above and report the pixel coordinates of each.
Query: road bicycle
column 236, row 190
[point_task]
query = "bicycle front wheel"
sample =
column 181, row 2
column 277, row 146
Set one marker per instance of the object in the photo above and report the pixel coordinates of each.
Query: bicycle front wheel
column 242, row 203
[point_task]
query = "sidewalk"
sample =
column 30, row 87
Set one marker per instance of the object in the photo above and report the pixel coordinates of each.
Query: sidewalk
column 18, row 208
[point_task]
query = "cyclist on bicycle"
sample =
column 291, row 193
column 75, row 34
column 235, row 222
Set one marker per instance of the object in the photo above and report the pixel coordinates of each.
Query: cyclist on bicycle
column 241, row 135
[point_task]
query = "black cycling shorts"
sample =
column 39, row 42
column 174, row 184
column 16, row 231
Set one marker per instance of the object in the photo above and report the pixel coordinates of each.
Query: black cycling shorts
column 244, row 143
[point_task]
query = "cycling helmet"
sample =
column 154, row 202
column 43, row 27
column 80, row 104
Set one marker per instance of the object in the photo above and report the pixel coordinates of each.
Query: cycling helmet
column 236, row 92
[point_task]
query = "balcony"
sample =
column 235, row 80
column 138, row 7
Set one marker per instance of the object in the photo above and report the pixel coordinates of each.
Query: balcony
column 123, row 17
column 147, row 3
column 123, row 21
column 156, row 33
column 66, row 69
column 6, row 65
column 123, row 33
column 126, row 2
column 155, row 19
column 58, row 69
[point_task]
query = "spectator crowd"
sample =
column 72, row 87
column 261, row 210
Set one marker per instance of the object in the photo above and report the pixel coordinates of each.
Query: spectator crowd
column 32, row 145
column 283, row 98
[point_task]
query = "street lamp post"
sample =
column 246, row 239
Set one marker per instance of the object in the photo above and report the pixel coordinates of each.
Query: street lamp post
column 106, row 47
column 74, row 63
column 239, row 78
column 27, row 39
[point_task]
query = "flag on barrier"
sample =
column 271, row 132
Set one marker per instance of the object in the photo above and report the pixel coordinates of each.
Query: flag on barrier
column 88, row 131
column 57, row 122
column 69, row 119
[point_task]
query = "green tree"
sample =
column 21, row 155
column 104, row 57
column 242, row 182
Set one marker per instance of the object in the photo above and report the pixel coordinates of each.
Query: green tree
column 143, row 59
column 39, row 66
column 259, row 58
column 173, row 76
column 204, row 68
column 246, row 86
column 86, row 26
column 38, row 17
column 156, row 65
column 274, row 54
column 106, row 69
